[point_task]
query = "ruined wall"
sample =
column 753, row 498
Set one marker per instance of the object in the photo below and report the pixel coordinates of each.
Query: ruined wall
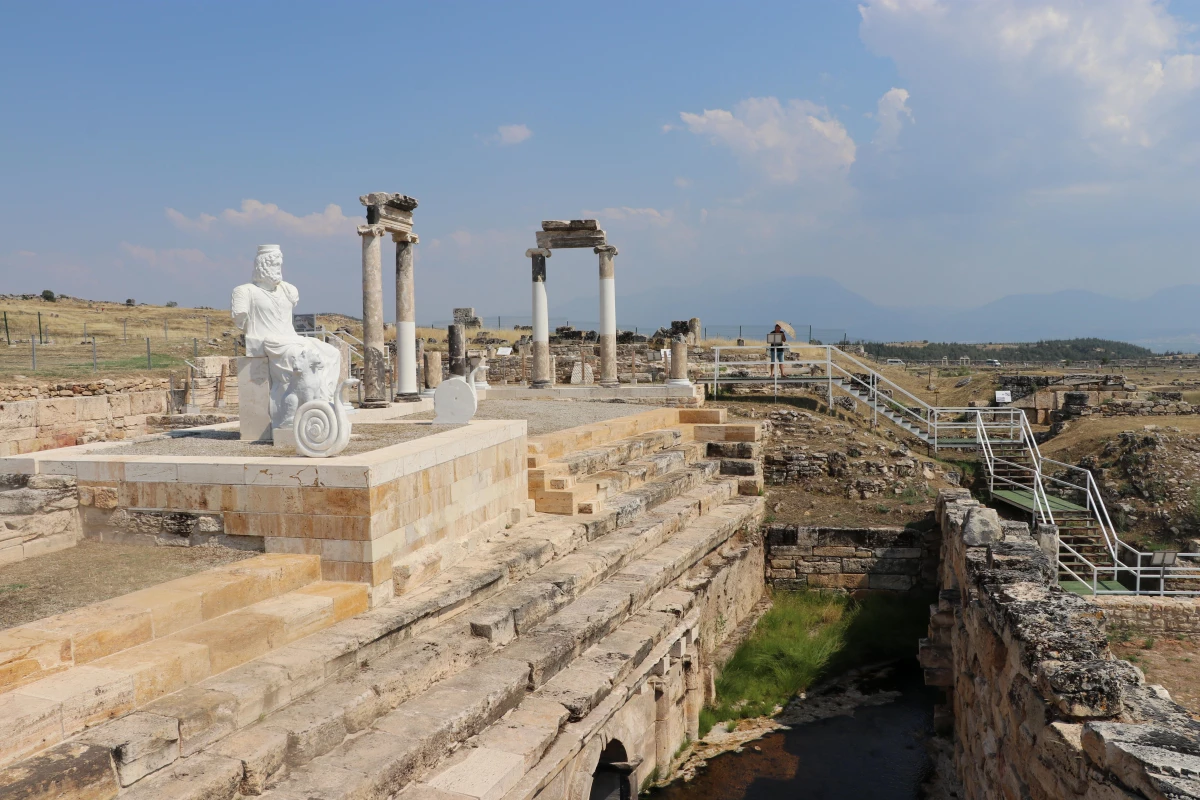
column 1156, row 616
column 1040, row 707
column 27, row 426
column 37, row 516
column 889, row 558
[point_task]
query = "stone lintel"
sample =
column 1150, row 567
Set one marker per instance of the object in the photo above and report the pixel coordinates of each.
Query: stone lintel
column 537, row 251
column 572, row 225
column 561, row 240
column 394, row 200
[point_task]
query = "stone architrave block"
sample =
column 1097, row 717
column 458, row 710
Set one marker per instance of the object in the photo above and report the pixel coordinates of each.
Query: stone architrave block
column 570, row 225
column 254, row 398
column 561, row 240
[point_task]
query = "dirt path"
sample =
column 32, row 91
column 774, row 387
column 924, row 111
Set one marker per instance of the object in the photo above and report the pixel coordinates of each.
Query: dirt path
column 1172, row 663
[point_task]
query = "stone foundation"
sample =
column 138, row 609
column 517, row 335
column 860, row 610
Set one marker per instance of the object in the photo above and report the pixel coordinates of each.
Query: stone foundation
column 892, row 559
column 37, row 515
column 1039, row 706
column 1154, row 616
column 27, row 426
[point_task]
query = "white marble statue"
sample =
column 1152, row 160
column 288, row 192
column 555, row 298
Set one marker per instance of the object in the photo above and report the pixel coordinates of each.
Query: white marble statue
column 302, row 369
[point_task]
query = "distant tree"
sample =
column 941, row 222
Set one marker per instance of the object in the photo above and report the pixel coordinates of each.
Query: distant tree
column 130, row 302
column 171, row 304
column 48, row 296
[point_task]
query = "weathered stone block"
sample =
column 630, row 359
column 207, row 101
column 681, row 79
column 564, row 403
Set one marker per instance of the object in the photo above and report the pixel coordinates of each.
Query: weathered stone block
column 72, row 771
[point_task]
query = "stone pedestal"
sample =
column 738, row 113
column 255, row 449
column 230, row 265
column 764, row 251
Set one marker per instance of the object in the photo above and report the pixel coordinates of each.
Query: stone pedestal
column 406, row 326
column 542, row 374
column 376, row 391
column 457, row 345
column 679, row 373
column 608, row 316
column 254, row 398
column 433, row 372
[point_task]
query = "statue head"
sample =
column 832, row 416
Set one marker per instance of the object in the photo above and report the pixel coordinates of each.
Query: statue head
column 268, row 266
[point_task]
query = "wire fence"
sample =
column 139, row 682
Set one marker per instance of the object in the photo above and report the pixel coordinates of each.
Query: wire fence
column 94, row 356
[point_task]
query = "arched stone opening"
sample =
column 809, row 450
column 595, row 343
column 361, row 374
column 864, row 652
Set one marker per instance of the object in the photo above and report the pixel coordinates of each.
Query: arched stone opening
column 615, row 777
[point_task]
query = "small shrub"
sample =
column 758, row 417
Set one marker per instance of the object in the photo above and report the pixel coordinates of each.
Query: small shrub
column 731, row 726
column 130, row 302
column 172, row 304
column 882, row 509
column 48, row 296
column 1148, row 643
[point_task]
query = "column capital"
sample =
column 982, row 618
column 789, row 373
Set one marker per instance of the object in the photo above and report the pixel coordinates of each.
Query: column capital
column 605, row 249
column 371, row 230
column 537, row 251
column 405, row 238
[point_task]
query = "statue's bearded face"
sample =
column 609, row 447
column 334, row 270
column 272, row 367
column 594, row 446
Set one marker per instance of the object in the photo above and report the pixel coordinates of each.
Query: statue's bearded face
column 268, row 268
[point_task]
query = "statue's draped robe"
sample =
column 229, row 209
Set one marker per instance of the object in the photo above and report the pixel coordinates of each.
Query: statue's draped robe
column 301, row 366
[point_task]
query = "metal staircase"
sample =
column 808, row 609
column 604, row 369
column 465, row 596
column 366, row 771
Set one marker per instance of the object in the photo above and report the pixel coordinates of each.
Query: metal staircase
column 1092, row 559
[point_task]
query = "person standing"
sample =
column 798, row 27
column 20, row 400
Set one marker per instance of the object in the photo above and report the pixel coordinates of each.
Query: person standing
column 777, row 348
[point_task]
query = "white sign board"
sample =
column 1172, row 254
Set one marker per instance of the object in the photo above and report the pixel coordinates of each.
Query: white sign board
column 1003, row 397
column 504, row 351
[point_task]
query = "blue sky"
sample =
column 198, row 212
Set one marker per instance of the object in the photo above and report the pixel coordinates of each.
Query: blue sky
column 921, row 152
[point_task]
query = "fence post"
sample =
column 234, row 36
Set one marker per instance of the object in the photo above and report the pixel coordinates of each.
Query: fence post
column 125, row 329
column 33, row 347
column 148, row 363
column 166, row 332
column 195, row 348
column 93, row 354
column 7, row 338
column 41, row 339
column 85, row 336
column 206, row 336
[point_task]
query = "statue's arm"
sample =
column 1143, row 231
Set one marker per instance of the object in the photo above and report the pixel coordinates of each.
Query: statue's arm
column 241, row 307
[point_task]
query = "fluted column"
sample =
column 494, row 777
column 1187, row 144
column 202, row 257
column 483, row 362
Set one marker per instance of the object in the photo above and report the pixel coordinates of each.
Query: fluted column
column 406, row 321
column 608, row 316
column 541, row 320
column 375, row 384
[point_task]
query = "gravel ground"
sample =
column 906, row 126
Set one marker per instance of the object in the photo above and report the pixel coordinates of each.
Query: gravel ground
column 225, row 444
column 547, row 416
column 91, row 571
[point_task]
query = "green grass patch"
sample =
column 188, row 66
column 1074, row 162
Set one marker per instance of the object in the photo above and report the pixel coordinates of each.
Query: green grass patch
column 807, row 636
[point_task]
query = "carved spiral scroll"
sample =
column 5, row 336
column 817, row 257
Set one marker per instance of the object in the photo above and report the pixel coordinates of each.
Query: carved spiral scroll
column 321, row 429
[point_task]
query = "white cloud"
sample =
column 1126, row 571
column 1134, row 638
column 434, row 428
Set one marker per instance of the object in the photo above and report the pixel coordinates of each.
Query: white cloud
column 26, row 253
column 1114, row 71
column 257, row 214
column 646, row 217
column 785, row 142
column 891, row 114
column 683, row 183
column 511, row 134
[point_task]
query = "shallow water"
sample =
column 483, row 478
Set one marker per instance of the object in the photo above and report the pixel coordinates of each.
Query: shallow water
column 878, row 753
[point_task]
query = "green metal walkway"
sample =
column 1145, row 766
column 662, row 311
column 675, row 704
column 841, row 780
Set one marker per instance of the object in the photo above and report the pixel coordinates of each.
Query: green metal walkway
column 1023, row 499
column 1085, row 589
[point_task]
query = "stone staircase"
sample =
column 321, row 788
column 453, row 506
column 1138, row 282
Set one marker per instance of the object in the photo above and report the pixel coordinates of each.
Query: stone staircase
column 63, row 674
column 550, row 620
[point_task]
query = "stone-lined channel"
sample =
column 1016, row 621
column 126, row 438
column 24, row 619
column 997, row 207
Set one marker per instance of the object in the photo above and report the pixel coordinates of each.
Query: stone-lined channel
column 879, row 750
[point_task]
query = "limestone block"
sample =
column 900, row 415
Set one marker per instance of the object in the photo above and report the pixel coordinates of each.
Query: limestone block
column 236, row 637
column 482, row 773
column 140, row 743
column 261, row 751
column 27, row 725
column 204, row 716
column 981, row 527
column 88, row 695
column 159, row 668
column 202, row 777
column 118, row 405
column 254, row 398
column 72, row 771
column 18, row 414
column 27, row 655
column 93, row 408
column 145, row 403
column 57, row 411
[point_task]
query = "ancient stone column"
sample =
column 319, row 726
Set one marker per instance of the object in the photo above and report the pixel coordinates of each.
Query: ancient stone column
column 420, row 363
column 608, row 316
column 679, row 373
column 695, row 331
column 375, row 383
column 433, row 371
column 406, row 321
column 542, row 377
column 457, row 341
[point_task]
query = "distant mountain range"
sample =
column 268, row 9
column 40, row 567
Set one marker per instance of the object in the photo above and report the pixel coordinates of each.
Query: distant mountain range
column 1169, row 319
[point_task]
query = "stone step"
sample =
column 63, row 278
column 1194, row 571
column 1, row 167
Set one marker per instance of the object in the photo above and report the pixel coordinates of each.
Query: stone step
column 621, row 478
column 39, row 649
column 404, row 709
column 535, row 672
column 46, row 712
column 218, row 706
column 609, row 456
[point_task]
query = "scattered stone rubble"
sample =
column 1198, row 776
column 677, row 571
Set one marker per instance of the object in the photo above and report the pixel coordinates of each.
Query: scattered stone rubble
column 23, row 388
